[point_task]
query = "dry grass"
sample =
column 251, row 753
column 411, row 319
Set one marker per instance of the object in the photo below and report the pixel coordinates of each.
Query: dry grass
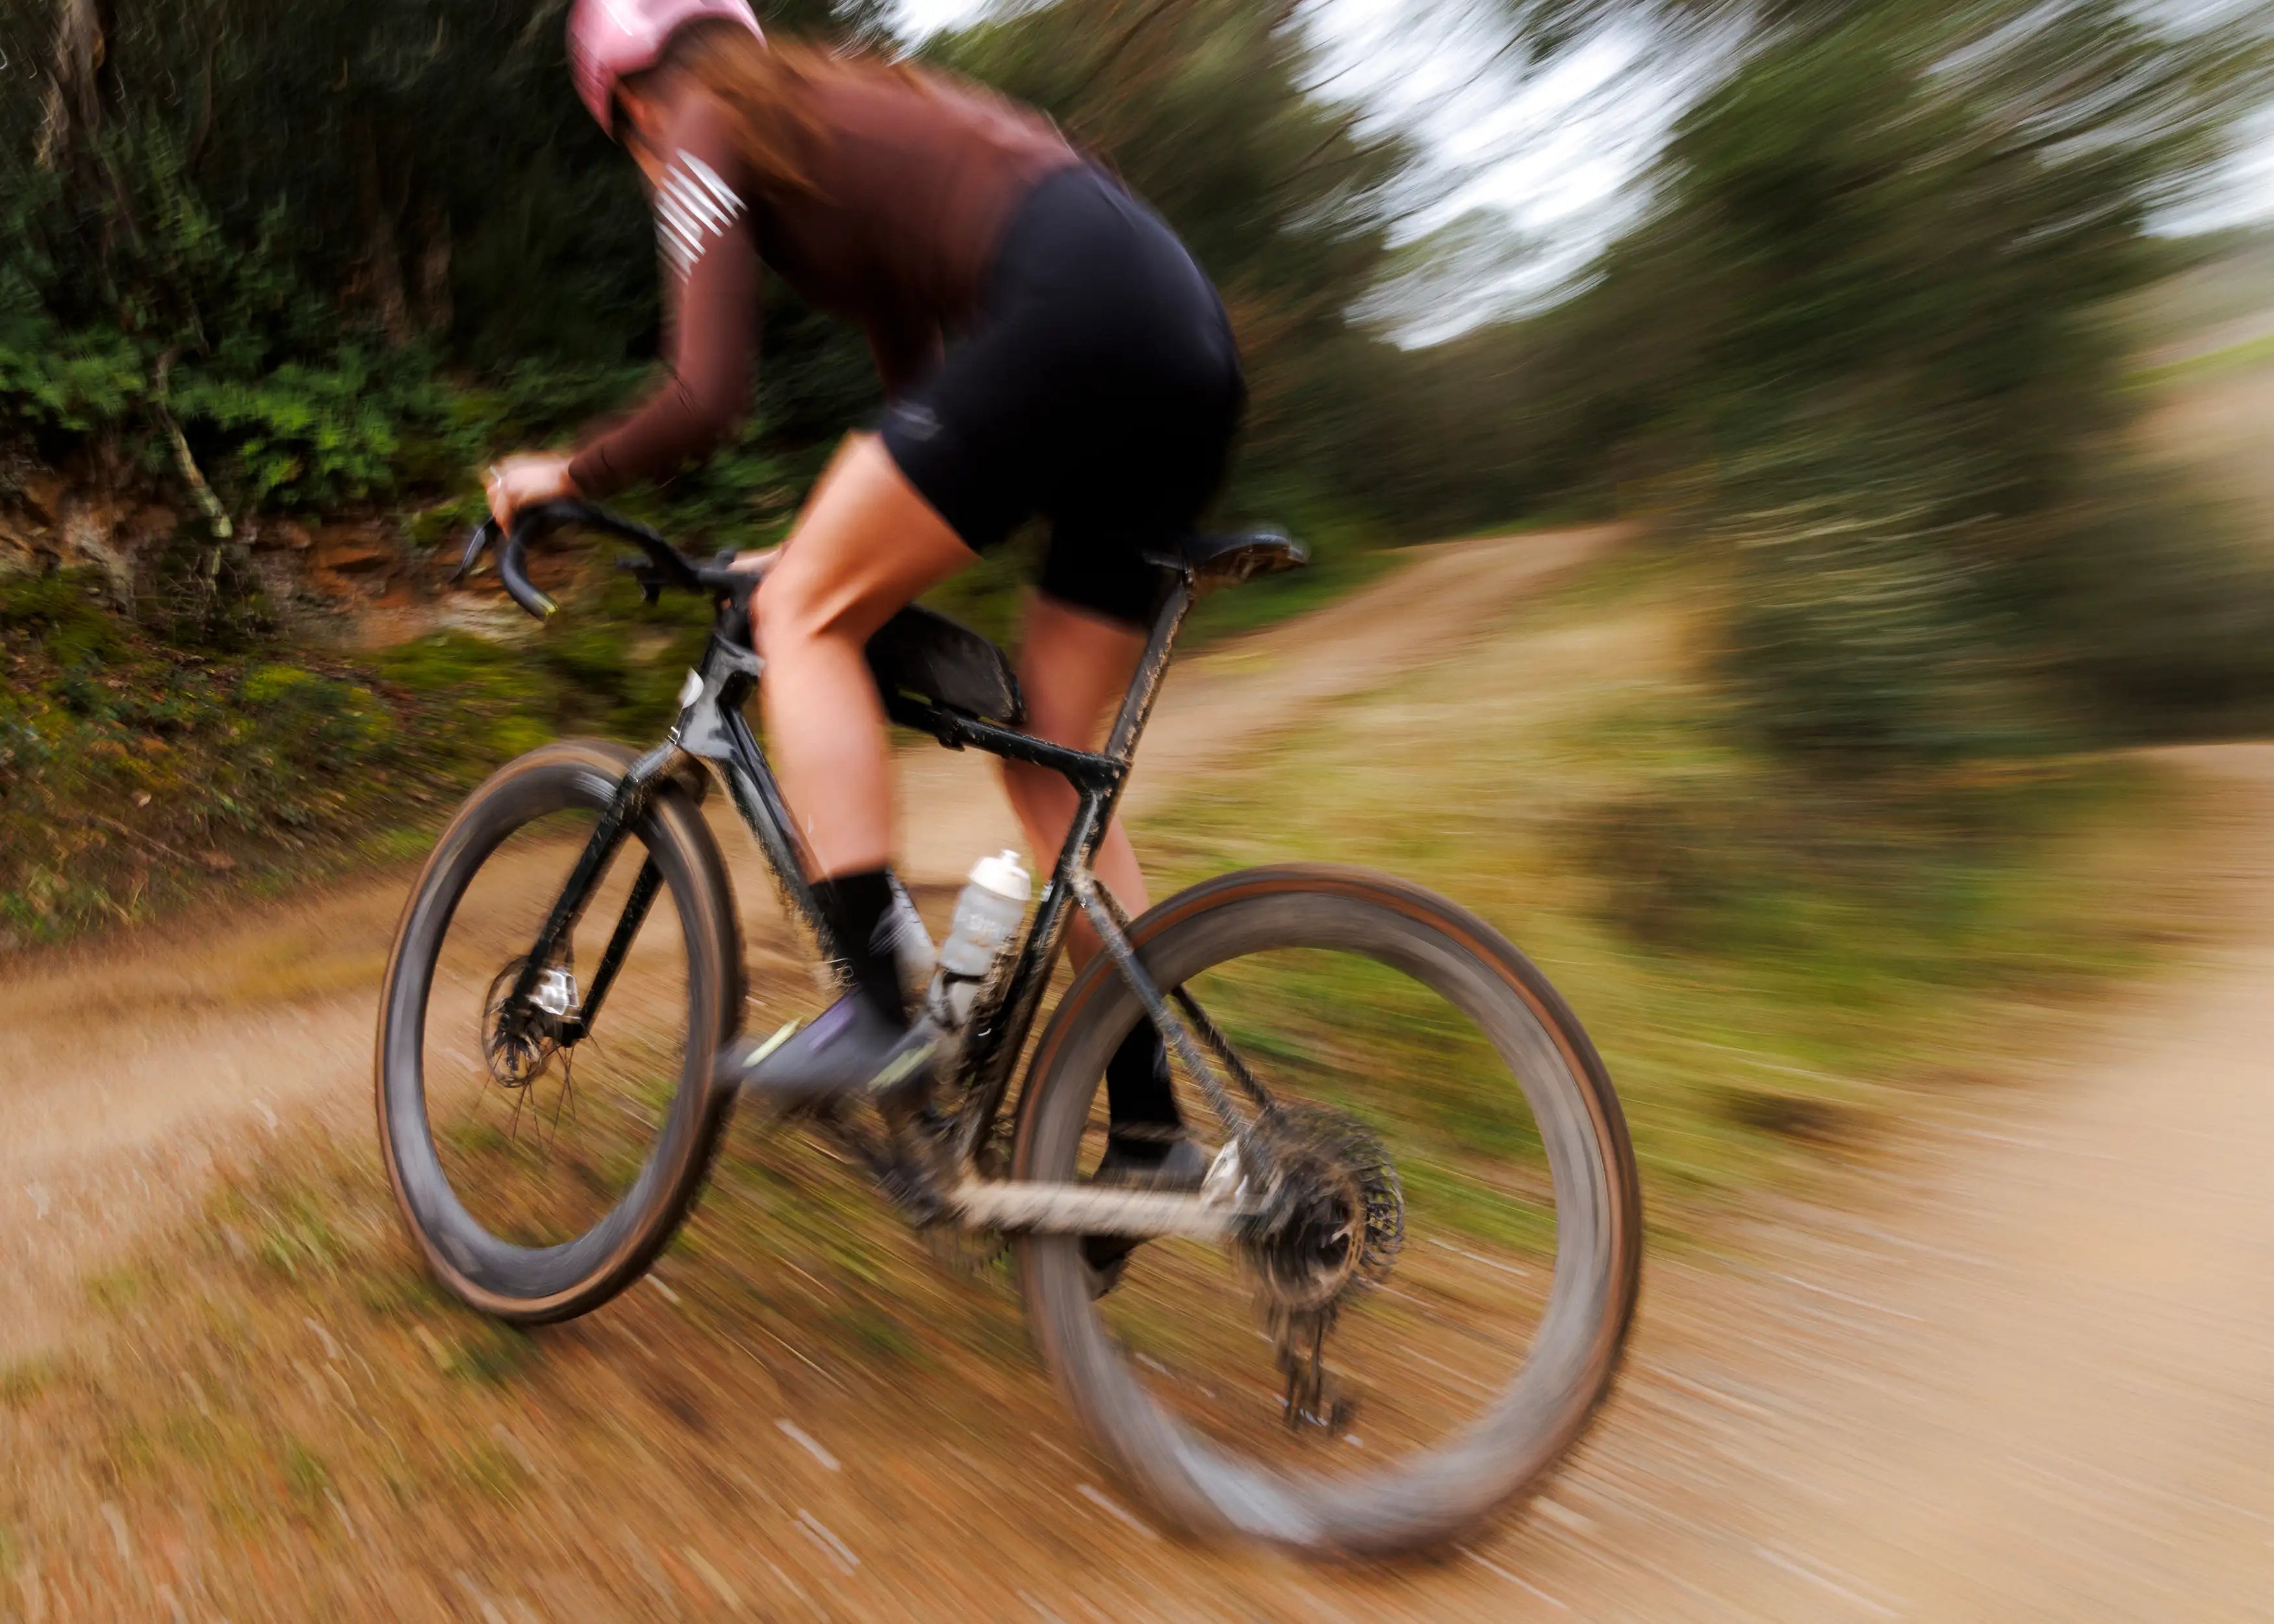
column 273, row 1416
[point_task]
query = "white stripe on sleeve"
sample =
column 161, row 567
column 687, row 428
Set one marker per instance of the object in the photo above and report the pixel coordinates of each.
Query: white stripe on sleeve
column 693, row 208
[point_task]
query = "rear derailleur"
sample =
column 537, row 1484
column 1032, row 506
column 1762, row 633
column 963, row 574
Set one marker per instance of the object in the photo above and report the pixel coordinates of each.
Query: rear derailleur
column 1336, row 1222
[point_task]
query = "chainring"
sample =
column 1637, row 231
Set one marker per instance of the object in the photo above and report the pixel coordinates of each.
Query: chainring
column 972, row 1252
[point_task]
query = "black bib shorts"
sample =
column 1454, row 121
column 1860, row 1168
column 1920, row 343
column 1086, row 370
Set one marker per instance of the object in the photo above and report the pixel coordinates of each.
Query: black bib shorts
column 1099, row 388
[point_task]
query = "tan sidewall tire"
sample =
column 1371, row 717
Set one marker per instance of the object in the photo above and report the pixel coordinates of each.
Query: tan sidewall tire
column 1575, row 1354
column 524, row 1285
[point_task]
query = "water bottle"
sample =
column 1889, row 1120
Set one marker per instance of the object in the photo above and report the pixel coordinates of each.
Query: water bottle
column 987, row 916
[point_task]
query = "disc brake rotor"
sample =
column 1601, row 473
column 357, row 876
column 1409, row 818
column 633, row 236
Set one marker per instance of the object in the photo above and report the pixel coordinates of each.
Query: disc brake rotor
column 518, row 1043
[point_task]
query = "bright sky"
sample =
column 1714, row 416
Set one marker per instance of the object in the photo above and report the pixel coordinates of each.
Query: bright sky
column 1555, row 153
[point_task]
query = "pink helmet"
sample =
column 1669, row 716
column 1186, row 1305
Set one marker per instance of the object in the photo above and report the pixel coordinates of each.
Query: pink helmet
column 610, row 40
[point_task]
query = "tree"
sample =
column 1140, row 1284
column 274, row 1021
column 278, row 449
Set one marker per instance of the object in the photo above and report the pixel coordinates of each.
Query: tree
column 1869, row 314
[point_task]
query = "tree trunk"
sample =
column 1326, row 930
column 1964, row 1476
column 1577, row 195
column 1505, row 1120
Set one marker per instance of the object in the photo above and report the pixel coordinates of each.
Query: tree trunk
column 75, row 82
column 201, row 131
column 382, row 254
column 434, row 307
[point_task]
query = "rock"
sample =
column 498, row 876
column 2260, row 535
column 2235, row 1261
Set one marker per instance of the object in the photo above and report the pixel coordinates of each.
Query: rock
column 354, row 547
column 154, row 523
column 285, row 533
column 43, row 493
column 332, row 584
column 91, row 536
column 282, row 578
column 19, row 553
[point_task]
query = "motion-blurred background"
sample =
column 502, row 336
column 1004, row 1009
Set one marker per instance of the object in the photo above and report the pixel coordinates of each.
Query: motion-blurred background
column 1857, row 301
column 1784, row 474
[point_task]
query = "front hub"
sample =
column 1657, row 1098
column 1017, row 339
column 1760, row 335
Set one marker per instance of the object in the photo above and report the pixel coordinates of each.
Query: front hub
column 519, row 1037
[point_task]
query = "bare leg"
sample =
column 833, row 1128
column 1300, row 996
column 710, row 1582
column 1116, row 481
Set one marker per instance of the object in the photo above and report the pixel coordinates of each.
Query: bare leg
column 1074, row 667
column 866, row 546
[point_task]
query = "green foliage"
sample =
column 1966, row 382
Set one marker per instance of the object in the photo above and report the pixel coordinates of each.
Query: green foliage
column 125, row 767
column 355, row 247
column 1868, row 326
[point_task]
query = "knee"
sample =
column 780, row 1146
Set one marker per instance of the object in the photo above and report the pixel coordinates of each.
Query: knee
column 788, row 614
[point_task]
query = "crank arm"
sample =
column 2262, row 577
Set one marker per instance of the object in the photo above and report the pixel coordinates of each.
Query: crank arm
column 1020, row 1206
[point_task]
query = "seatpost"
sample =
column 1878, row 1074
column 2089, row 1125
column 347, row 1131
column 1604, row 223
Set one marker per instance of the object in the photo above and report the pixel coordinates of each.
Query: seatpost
column 1145, row 686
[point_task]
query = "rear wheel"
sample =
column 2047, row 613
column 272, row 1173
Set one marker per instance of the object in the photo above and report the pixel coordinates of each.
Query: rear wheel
column 540, row 1176
column 1442, row 1300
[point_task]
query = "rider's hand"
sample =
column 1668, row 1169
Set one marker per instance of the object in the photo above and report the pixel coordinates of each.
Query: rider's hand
column 516, row 482
column 756, row 563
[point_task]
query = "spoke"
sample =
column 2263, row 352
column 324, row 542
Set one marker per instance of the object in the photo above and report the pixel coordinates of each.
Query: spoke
column 565, row 1101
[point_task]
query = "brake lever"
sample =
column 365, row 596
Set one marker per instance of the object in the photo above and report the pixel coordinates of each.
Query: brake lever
column 649, row 578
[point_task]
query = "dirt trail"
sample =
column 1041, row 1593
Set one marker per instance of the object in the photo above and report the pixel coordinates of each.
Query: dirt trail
column 2025, row 1376
column 2019, row 1372
column 123, row 1067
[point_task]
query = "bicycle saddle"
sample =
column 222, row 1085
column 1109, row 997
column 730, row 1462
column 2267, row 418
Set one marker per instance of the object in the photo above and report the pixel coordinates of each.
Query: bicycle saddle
column 1234, row 557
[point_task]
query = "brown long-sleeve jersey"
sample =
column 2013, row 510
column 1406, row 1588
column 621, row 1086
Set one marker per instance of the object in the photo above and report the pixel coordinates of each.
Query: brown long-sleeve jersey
column 910, row 184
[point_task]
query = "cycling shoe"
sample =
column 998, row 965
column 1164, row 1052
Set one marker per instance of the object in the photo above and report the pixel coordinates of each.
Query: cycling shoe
column 848, row 1048
column 1180, row 1168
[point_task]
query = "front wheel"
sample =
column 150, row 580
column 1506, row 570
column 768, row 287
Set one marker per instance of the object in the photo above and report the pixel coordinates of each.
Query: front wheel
column 1442, row 1299
column 543, row 1151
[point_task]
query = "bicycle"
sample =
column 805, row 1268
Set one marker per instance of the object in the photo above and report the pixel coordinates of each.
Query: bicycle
column 1305, row 1212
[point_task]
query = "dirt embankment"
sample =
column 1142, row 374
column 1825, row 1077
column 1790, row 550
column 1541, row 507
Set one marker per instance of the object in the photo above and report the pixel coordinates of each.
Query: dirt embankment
column 123, row 1065
column 2016, row 1373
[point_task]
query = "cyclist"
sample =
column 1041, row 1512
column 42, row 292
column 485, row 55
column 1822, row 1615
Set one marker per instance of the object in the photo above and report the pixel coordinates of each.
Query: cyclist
column 1094, row 382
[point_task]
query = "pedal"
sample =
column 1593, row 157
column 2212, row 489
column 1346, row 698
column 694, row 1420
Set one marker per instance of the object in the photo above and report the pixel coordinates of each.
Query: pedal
column 736, row 1060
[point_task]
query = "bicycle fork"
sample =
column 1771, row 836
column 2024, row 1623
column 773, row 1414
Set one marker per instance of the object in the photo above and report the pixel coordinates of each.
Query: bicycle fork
column 625, row 807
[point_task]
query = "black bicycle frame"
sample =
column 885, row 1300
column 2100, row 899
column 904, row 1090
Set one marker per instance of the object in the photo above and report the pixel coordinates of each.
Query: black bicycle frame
column 711, row 727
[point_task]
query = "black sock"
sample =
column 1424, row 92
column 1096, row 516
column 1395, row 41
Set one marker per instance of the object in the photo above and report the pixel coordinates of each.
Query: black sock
column 858, row 908
column 1138, row 1099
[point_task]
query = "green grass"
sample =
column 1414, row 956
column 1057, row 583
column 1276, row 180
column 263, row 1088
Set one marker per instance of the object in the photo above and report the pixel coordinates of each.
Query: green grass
column 1774, row 972
column 1777, row 978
